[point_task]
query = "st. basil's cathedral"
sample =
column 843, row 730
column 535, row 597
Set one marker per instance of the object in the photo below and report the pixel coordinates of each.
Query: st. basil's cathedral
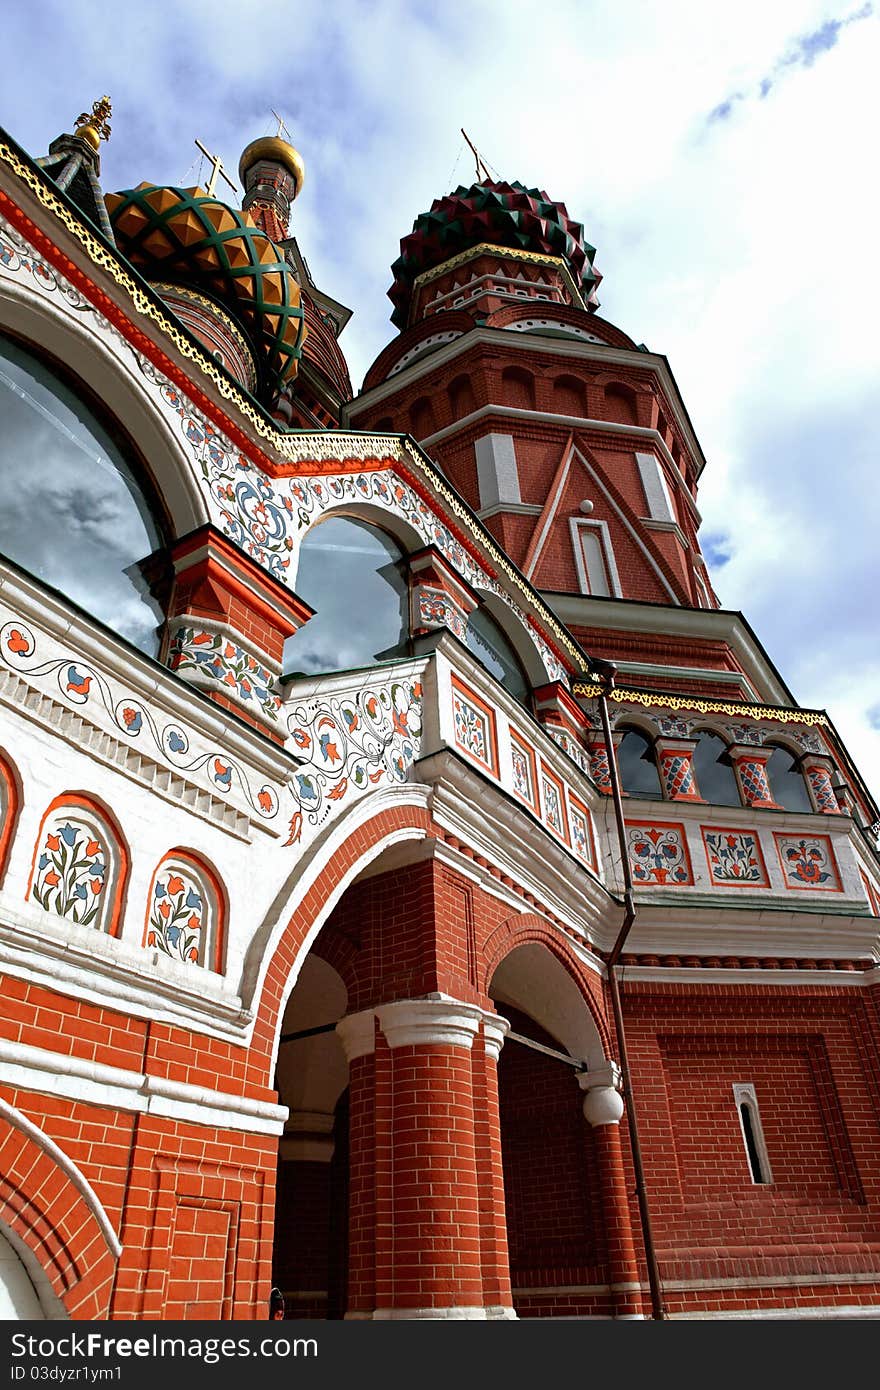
column 417, row 894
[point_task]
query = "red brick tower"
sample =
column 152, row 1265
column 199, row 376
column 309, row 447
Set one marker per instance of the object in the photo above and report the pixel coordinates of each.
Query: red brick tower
column 570, row 440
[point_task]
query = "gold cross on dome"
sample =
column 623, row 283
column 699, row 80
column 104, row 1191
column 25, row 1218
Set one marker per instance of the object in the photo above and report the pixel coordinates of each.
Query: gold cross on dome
column 217, row 168
column 282, row 133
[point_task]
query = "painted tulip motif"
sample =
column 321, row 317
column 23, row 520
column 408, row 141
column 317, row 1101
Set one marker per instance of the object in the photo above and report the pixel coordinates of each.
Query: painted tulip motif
column 177, row 916
column 71, row 873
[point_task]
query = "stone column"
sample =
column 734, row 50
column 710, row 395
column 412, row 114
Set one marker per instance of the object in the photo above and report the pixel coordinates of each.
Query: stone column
column 598, row 753
column 227, row 623
column 750, row 765
column 439, row 597
column 435, row 1233
column 357, row 1033
column 603, row 1109
column 817, row 770
column 675, row 759
column 494, row 1257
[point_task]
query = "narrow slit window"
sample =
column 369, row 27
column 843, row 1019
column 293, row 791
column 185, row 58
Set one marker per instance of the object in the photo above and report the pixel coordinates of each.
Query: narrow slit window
column 753, row 1134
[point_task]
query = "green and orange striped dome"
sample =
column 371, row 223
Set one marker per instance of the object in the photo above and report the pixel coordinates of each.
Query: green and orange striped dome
column 184, row 236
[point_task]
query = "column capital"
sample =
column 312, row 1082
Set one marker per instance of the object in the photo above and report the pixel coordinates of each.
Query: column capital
column 603, row 1103
column 435, row 1021
column 495, row 1030
column 357, row 1034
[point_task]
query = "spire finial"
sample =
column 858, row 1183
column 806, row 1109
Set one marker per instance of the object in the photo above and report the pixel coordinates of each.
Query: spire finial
column 482, row 171
column 94, row 126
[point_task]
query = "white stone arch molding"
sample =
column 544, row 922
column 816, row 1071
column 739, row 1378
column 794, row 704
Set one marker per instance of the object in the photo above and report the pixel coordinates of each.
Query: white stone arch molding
column 627, row 719
column 18, row 1120
column 50, row 317
column 269, row 518
column 305, row 873
column 25, row 1291
column 399, row 528
column 525, row 642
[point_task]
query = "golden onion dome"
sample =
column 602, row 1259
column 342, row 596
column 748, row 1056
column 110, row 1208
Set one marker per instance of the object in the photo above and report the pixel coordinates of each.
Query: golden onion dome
column 275, row 151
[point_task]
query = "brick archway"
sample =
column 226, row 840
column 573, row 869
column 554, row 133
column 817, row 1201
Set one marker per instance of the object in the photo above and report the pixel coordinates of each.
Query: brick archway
column 530, row 929
column 50, row 1207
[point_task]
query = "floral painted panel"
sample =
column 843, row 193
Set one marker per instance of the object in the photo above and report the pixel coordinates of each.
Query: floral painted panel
column 436, row 610
column 553, row 798
column 658, row 853
column 523, row 761
column 474, row 725
column 581, row 832
column 350, row 743
column 178, row 918
column 71, row 871
column 734, row 857
column 808, row 862
column 240, row 673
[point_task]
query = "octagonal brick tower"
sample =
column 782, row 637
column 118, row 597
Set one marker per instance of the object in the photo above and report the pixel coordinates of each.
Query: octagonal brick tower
column 569, row 439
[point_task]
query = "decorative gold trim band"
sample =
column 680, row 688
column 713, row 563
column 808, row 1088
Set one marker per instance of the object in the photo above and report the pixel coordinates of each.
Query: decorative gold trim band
column 650, row 698
column 510, row 253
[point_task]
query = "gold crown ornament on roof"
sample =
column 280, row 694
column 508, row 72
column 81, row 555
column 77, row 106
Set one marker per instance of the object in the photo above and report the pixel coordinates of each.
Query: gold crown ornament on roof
column 95, row 126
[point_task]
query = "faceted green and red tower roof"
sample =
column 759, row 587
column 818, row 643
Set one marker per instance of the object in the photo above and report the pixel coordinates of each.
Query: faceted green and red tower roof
column 497, row 214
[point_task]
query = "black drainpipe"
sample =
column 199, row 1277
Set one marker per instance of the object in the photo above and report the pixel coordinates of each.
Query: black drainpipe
column 605, row 672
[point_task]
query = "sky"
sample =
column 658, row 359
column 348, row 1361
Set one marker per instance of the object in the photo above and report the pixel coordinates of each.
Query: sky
column 722, row 158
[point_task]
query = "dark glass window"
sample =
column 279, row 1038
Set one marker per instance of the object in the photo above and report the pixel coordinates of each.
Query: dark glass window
column 787, row 785
column 715, row 776
column 754, row 1158
column 73, row 514
column 487, row 643
column 351, row 574
column 638, row 770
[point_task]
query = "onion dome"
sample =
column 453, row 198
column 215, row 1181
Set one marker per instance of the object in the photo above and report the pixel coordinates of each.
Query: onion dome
column 184, row 237
column 272, row 174
column 272, row 150
column 500, row 214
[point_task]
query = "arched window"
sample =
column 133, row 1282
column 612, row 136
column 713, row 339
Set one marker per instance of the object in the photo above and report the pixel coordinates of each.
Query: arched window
column 72, row 511
column 185, row 912
column 486, row 641
column 714, row 771
column 351, row 573
column 80, row 865
column 752, row 1132
column 787, row 785
column 638, row 767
